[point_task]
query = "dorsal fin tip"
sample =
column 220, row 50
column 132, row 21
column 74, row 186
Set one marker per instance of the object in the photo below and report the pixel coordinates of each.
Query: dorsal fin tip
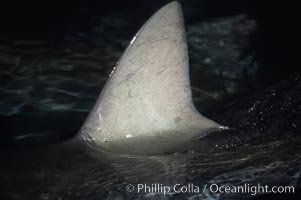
column 146, row 106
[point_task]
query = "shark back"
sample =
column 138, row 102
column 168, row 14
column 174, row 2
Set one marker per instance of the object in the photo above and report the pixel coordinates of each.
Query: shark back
column 146, row 105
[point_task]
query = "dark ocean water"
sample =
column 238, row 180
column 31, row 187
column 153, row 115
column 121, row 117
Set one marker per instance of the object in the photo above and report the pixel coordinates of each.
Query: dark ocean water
column 49, row 82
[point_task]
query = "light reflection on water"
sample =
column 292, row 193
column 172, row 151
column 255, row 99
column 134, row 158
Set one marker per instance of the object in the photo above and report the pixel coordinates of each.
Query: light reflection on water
column 79, row 172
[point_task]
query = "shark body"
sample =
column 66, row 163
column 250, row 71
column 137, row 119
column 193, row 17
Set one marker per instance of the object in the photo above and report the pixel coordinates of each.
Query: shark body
column 146, row 105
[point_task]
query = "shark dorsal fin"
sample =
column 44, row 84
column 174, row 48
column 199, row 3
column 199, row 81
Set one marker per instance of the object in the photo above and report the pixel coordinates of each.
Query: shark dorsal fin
column 146, row 105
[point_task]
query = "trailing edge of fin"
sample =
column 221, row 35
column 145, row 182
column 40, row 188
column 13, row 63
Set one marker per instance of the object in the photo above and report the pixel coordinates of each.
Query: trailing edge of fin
column 146, row 105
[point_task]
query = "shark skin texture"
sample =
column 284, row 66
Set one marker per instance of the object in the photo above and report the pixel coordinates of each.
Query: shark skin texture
column 146, row 105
